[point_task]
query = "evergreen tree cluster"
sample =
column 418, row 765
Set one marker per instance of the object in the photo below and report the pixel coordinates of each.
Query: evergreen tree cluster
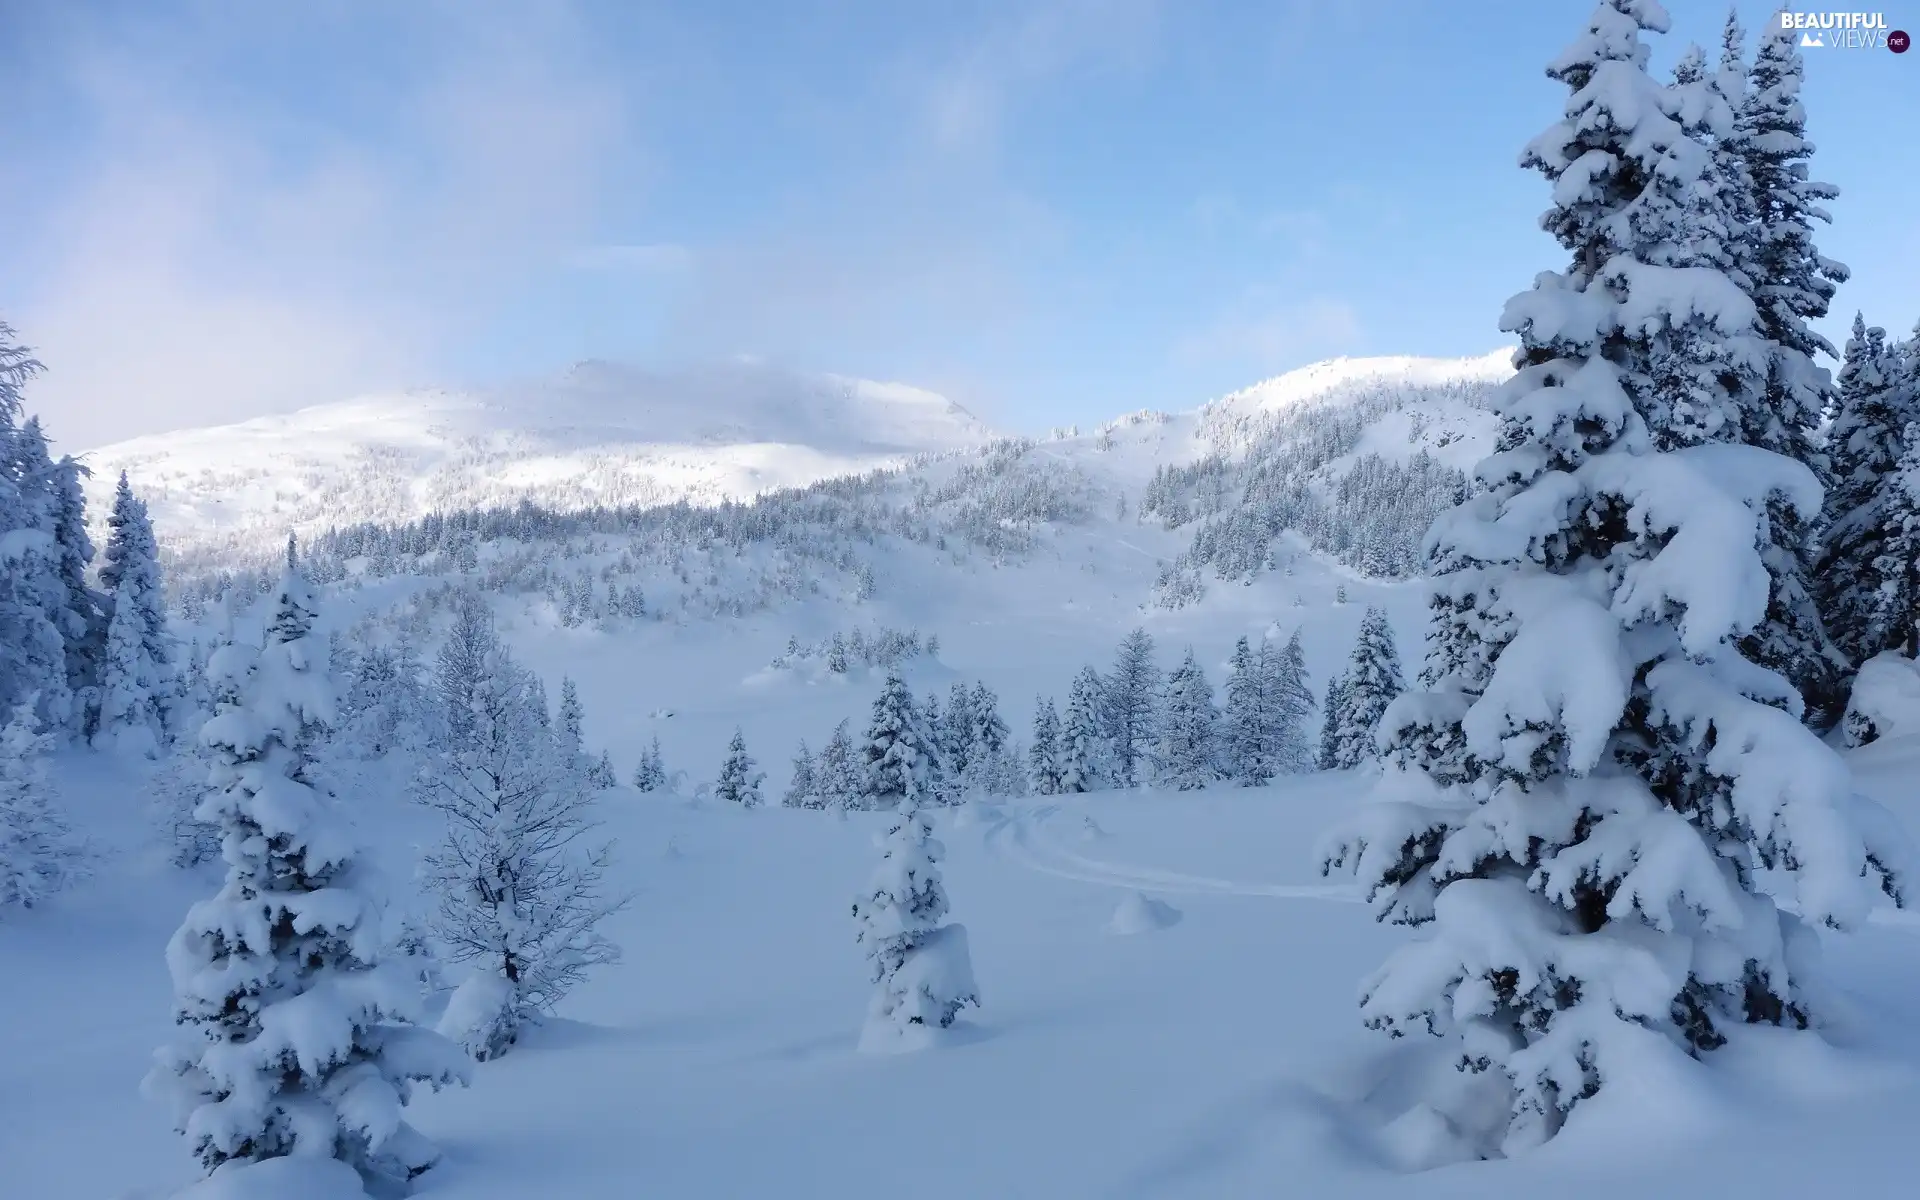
column 587, row 559
column 1296, row 470
column 914, row 752
column 885, row 647
column 1137, row 725
column 1359, row 696
column 91, row 656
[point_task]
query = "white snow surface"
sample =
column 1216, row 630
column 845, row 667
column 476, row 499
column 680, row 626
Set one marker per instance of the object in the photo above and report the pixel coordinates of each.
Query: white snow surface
column 1227, row 1061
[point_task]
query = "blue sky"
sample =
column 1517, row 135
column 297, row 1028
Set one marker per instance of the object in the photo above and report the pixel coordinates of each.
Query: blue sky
column 1053, row 211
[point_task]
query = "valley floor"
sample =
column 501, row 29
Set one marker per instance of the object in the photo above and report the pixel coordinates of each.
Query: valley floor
column 1220, row 1056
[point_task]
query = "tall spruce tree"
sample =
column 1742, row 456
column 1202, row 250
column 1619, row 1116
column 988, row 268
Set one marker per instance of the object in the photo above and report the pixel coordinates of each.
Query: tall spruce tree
column 1129, row 710
column 138, row 689
column 82, row 618
column 1332, row 712
column 953, row 728
column 1245, row 755
column 1085, row 761
column 33, row 592
column 921, row 969
column 802, row 791
column 901, row 754
column 1597, row 903
column 1371, row 682
column 1187, row 754
column 1897, row 602
column 278, row 978
column 1289, row 695
column 573, row 717
column 1865, row 445
column 1046, row 773
column 739, row 781
column 840, row 774
column 650, row 774
column 38, row 852
column 1763, row 157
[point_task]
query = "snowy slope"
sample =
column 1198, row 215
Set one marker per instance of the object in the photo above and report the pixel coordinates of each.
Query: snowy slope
column 600, row 434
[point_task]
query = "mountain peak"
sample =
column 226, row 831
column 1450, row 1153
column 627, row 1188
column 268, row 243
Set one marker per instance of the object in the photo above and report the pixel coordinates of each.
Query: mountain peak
column 1318, row 379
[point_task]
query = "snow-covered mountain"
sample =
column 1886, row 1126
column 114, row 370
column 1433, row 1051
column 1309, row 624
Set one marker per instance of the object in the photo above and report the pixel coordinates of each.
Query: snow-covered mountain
column 600, row 434
column 605, row 436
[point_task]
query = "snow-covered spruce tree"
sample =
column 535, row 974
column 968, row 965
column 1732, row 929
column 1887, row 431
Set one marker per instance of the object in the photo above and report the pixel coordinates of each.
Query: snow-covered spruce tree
column 802, row 791
column 739, row 781
column 1371, row 682
column 901, row 756
column 1085, row 762
column 137, row 678
column 38, row 854
column 278, row 977
column 840, row 773
column 1186, row 756
column 1289, row 702
column 33, row 595
column 1327, row 757
column 953, row 729
column 462, row 661
column 1865, row 445
column 572, row 717
column 1045, row 774
column 1897, row 603
column 650, row 775
column 82, row 615
column 921, row 970
column 517, row 876
column 1129, row 710
column 600, row 773
column 1761, row 163
column 1612, row 772
column 1244, row 754
column 989, row 769
column 384, row 711
column 176, row 791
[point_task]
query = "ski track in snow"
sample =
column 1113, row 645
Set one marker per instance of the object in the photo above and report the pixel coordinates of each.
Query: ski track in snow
column 1015, row 835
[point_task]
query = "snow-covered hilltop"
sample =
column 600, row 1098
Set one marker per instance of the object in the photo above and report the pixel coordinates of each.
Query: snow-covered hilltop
column 1337, row 375
column 600, row 434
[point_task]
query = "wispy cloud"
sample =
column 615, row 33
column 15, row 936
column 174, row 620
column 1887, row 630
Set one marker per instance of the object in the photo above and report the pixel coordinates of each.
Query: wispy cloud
column 214, row 259
column 651, row 258
column 1274, row 337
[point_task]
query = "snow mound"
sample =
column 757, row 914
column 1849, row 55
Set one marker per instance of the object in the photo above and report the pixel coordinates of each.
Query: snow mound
column 1422, row 1138
column 939, row 966
column 476, row 1014
column 279, row 1179
column 1141, row 913
column 1885, row 700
